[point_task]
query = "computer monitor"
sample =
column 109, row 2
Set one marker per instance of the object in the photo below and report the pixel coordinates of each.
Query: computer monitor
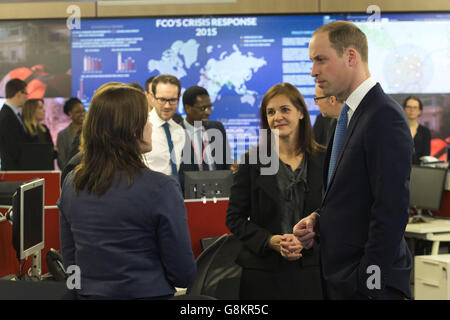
column 28, row 218
column 426, row 187
column 207, row 184
column 7, row 190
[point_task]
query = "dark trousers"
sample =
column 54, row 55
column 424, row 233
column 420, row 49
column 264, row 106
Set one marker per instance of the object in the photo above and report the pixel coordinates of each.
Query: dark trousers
column 290, row 281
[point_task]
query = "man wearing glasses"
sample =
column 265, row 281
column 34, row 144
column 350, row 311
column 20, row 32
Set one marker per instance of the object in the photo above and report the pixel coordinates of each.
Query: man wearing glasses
column 330, row 108
column 168, row 137
column 206, row 147
column 148, row 92
column 13, row 133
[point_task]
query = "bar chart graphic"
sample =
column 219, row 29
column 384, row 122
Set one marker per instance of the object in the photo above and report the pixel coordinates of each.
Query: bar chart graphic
column 126, row 65
column 91, row 64
column 80, row 93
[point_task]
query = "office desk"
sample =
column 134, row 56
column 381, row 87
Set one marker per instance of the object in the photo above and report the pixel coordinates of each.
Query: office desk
column 433, row 229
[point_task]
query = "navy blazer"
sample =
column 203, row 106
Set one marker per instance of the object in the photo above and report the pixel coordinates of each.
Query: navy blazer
column 12, row 138
column 365, row 208
column 188, row 156
column 132, row 241
column 324, row 129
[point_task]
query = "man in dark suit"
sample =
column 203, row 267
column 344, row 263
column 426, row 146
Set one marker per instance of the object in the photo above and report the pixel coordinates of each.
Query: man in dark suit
column 364, row 211
column 330, row 108
column 13, row 133
column 206, row 146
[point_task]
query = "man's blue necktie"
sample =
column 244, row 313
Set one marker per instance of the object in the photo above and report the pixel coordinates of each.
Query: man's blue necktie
column 170, row 143
column 339, row 134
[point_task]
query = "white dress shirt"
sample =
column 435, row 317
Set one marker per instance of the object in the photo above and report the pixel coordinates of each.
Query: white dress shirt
column 356, row 96
column 159, row 158
column 199, row 140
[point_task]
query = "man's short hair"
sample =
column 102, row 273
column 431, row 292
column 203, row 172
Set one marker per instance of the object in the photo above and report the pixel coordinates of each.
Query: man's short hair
column 340, row 100
column 70, row 103
column 191, row 94
column 343, row 35
column 166, row 78
column 147, row 84
column 13, row 86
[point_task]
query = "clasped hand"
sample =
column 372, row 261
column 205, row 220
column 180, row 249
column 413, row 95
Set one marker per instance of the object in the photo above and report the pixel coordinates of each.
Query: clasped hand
column 288, row 245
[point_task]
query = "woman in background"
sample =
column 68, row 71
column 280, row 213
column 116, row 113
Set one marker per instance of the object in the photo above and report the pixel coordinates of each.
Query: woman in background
column 33, row 113
column 263, row 208
column 123, row 224
column 75, row 110
column 421, row 135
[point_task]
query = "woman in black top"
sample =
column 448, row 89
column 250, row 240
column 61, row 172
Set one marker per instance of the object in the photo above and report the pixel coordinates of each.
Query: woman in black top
column 33, row 113
column 269, row 197
column 421, row 135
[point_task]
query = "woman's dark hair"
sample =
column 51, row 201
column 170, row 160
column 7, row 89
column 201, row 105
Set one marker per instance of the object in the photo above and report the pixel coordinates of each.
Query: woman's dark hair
column 413, row 98
column 70, row 103
column 306, row 143
column 136, row 85
column 111, row 139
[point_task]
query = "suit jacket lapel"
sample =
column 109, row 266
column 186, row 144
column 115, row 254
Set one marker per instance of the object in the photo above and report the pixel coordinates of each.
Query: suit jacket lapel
column 348, row 135
column 269, row 184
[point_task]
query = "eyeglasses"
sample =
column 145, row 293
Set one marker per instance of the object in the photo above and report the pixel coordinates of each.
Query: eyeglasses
column 203, row 109
column 319, row 98
column 163, row 101
column 412, row 108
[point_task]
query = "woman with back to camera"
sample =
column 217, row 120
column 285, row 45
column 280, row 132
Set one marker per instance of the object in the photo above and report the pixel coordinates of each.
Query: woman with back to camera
column 123, row 224
column 263, row 208
column 75, row 110
column 421, row 135
column 33, row 112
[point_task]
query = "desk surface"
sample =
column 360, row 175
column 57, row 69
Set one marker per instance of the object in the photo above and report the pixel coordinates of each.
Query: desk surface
column 438, row 258
column 431, row 225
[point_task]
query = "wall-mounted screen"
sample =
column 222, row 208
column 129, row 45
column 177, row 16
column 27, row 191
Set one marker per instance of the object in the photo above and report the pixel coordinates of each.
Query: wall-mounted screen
column 237, row 59
column 408, row 52
column 37, row 52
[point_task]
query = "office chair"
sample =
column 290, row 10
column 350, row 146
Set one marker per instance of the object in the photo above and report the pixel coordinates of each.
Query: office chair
column 218, row 275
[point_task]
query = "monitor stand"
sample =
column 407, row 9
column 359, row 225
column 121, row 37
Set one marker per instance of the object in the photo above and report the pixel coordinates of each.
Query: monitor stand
column 418, row 217
column 36, row 267
column 35, row 272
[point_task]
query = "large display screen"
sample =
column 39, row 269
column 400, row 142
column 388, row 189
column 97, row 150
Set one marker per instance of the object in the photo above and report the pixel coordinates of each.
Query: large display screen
column 408, row 53
column 237, row 59
column 37, row 52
